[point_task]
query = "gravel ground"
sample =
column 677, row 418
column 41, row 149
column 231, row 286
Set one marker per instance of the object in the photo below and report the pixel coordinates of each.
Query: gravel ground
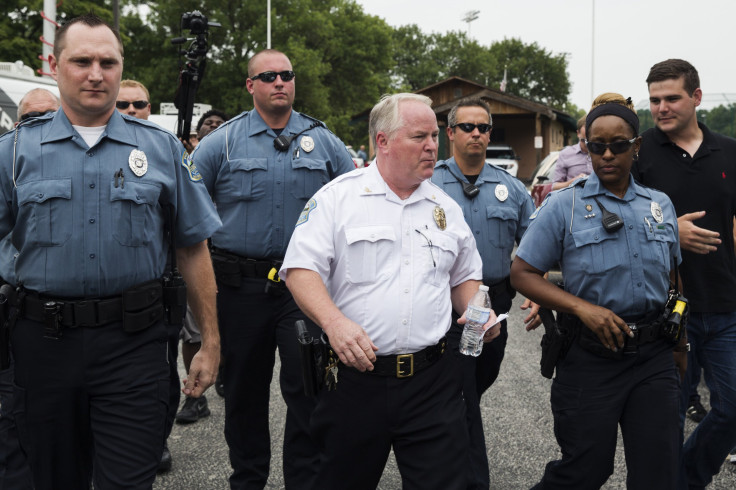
column 517, row 419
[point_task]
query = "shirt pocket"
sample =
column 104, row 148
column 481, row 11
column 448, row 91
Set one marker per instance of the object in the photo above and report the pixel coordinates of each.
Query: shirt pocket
column 444, row 254
column 597, row 251
column 248, row 179
column 133, row 213
column 307, row 177
column 657, row 247
column 368, row 248
column 45, row 211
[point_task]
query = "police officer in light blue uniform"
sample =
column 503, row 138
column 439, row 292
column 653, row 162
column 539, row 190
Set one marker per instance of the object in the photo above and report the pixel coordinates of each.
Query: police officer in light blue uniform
column 617, row 272
column 86, row 193
column 261, row 167
column 497, row 207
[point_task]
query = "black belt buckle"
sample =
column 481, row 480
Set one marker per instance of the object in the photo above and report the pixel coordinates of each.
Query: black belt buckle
column 404, row 365
column 631, row 344
column 52, row 320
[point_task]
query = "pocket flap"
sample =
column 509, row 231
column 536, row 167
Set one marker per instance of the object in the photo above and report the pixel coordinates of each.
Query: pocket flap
column 501, row 212
column 369, row 233
column 591, row 235
column 248, row 164
column 42, row 190
column 135, row 191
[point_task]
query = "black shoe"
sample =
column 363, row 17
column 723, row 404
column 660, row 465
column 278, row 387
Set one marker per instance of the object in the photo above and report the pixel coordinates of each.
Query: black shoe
column 696, row 411
column 165, row 464
column 193, row 410
column 219, row 385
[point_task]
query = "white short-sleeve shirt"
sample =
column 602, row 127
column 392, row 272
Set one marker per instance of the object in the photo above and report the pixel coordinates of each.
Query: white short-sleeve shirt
column 387, row 263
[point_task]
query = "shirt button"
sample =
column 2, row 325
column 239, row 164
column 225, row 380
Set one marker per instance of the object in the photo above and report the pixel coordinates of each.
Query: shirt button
column 404, row 322
column 91, row 220
column 638, row 284
column 92, row 186
column 91, row 256
column 631, row 226
column 684, row 155
column 406, row 290
column 477, row 232
column 91, row 154
column 475, row 209
column 406, row 261
column 636, row 255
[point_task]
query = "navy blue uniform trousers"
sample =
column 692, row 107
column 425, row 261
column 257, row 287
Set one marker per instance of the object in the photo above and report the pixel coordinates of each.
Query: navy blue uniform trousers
column 478, row 374
column 91, row 406
column 14, row 471
column 591, row 396
column 422, row 417
column 252, row 324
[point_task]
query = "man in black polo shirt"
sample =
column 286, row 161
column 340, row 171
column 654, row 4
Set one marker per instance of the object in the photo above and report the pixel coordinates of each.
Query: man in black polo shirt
column 696, row 168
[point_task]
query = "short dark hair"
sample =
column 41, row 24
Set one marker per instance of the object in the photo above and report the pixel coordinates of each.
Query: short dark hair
column 674, row 69
column 211, row 112
column 90, row 20
column 472, row 102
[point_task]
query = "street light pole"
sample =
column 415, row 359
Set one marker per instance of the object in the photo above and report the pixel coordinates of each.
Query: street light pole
column 268, row 24
column 469, row 17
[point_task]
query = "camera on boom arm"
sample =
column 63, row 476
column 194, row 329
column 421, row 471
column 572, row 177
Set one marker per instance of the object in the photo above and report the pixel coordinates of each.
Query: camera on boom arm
column 192, row 70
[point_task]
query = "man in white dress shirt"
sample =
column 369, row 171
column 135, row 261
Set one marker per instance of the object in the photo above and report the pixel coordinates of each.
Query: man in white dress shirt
column 378, row 259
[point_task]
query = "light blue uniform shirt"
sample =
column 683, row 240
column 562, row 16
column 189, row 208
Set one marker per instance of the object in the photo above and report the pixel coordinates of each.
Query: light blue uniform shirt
column 80, row 230
column 626, row 271
column 259, row 191
column 498, row 216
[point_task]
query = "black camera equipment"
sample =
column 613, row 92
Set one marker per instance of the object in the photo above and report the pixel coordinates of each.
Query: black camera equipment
column 192, row 70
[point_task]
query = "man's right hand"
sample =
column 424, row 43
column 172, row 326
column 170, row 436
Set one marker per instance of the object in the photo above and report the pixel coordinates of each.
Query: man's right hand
column 695, row 239
column 352, row 344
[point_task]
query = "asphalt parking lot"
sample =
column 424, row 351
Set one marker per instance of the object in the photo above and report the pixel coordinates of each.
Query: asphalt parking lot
column 517, row 420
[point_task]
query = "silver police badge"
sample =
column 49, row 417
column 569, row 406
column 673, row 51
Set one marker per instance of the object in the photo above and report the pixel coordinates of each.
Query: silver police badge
column 656, row 212
column 307, row 143
column 502, row 192
column 138, row 162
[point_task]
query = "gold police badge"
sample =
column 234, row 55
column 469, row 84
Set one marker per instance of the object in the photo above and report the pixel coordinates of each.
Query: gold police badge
column 439, row 217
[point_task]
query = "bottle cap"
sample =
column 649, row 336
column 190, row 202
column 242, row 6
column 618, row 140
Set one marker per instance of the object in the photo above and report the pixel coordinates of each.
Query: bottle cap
column 483, row 287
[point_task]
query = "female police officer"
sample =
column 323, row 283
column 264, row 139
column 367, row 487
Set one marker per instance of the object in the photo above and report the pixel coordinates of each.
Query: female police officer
column 616, row 243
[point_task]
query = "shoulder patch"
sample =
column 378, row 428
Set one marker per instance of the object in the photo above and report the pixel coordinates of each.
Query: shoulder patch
column 191, row 168
column 304, row 216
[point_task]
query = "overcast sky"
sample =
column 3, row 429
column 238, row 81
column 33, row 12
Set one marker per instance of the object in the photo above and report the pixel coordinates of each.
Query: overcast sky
column 629, row 36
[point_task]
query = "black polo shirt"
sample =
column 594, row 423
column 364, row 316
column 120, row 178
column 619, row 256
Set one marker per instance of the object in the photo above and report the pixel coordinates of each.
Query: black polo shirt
column 704, row 182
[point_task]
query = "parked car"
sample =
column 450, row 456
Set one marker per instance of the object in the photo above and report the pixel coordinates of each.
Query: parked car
column 357, row 161
column 542, row 178
column 503, row 156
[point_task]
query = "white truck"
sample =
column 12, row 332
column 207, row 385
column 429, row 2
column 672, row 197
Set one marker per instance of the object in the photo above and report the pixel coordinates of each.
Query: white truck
column 17, row 79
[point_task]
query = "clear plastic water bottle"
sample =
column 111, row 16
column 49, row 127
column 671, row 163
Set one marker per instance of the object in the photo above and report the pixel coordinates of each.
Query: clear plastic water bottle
column 477, row 314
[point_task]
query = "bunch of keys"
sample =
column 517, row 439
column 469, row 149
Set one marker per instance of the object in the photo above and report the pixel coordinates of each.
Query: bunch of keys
column 331, row 376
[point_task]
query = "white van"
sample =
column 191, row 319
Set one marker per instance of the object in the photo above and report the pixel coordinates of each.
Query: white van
column 17, row 79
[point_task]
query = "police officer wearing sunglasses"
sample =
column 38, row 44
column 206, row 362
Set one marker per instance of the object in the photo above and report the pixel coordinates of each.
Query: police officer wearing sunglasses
column 261, row 167
column 617, row 245
column 497, row 207
column 133, row 99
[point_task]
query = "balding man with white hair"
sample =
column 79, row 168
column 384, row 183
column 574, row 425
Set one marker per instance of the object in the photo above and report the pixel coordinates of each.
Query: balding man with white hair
column 381, row 277
column 37, row 102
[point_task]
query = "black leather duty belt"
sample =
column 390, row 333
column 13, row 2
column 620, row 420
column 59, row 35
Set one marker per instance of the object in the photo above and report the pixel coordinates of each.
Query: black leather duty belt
column 137, row 308
column 407, row 365
column 250, row 268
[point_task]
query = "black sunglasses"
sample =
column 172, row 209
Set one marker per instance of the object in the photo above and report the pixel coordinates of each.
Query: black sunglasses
column 31, row 114
column 469, row 127
column 616, row 147
column 270, row 76
column 138, row 104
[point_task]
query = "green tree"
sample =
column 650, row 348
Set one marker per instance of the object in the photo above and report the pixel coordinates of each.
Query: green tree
column 533, row 72
column 342, row 56
column 645, row 120
column 720, row 119
column 21, row 26
column 423, row 59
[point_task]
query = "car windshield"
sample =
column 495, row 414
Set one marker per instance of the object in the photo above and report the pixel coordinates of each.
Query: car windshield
column 499, row 153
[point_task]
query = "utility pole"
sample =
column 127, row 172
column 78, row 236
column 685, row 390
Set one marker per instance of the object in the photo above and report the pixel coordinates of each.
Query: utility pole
column 469, row 17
